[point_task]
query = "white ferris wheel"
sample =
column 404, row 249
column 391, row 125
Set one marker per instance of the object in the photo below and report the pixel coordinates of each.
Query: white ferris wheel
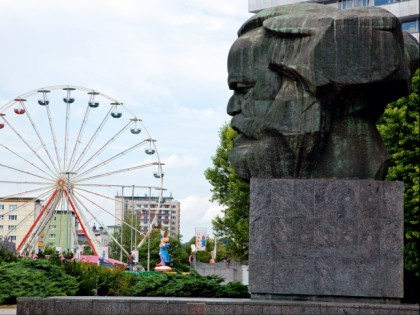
column 70, row 149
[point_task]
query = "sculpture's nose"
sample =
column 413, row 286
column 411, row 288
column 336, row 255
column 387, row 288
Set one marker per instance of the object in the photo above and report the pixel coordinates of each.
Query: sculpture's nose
column 234, row 105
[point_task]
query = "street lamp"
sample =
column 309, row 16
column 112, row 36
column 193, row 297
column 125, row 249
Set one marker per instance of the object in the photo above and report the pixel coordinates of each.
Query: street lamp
column 149, row 231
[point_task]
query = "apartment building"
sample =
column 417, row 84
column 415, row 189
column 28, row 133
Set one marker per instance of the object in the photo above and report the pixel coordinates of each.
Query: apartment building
column 16, row 217
column 145, row 209
column 60, row 231
column 406, row 10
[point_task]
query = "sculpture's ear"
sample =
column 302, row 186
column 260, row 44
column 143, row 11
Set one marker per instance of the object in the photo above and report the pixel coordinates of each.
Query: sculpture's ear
column 411, row 47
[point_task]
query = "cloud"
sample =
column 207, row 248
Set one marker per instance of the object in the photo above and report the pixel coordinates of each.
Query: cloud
column 197, row 212
column 165, row 60
column 175, row 161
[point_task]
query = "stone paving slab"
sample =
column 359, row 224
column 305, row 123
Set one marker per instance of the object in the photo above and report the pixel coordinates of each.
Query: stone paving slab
column 199, row 306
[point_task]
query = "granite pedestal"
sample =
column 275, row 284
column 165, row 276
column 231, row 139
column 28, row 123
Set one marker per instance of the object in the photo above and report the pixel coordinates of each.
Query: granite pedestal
column 326, row 240
column 82, row 305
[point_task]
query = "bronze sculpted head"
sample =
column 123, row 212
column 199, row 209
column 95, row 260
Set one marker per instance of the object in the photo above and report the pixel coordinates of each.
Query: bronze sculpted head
column 309, row 82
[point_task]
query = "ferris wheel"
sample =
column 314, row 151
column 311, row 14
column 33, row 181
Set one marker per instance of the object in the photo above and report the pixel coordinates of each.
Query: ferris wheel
column 68, row 150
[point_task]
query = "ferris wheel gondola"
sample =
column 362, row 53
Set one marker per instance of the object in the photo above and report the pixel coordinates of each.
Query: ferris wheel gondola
column 20, row 108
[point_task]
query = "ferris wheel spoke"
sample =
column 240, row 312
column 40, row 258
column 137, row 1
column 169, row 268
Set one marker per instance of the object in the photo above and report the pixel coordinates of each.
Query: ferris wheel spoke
column 31, row 213
column 96, row 154
column 80, row 135
column 22, row 171
column 110, row 159
column 50, row 121
column 41, row 140
column 117, row 172
column 66, row 132
column 89, row 144
column 27, row 161
column 119, row 186
column 95, row 204
column 26, row 143
column 22, row 193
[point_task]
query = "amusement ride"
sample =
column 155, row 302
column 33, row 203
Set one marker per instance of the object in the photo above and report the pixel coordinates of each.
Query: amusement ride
column 68, row 149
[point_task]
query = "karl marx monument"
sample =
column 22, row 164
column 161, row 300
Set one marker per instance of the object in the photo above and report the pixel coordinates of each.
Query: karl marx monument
column 309, row 83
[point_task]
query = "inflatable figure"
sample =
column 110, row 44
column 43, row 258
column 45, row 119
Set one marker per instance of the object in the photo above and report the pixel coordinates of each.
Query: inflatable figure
column 163, row 252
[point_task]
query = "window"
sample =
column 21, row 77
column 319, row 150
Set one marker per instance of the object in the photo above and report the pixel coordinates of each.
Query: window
column 50, row 236
column 52, row 227
column 12, row 238
column 12, row 207
column 1, row 227
column 1, row 217
column 1, row 207
column 411, row 26
column 12, row 227
column 173, row 211
column 12, row 217
column 51, row 244
column 173, row 217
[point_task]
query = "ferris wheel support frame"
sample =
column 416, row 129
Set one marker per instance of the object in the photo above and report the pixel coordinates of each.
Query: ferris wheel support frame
column 41, row 214
column 90, row 238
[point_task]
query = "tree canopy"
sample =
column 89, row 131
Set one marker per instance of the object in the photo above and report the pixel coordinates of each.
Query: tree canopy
column 232, row 192
column 399, row 128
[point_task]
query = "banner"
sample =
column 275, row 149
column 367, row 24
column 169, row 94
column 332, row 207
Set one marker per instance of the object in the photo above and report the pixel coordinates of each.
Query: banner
column 135, row 254
column 200, row 239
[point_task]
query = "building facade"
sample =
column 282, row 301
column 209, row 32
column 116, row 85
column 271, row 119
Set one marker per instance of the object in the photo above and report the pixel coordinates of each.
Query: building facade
column 406, row 10
column 60, row 232
column 145, row 210
column 16, row 217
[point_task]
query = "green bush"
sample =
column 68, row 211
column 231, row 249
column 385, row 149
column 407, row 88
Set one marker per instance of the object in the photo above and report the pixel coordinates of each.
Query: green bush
column 43, row 278
column 6, row 255
column 29, row 277
column 114, row 282
column 187, row 285
column 234, row 289
column 87, row 276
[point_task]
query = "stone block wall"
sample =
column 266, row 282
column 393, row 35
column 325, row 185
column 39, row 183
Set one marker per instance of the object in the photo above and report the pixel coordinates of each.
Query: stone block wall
column 319, row 238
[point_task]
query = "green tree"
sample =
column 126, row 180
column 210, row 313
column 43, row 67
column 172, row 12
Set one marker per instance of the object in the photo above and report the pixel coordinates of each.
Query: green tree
column 130, row 238
column 232, row 192
column 399, row 128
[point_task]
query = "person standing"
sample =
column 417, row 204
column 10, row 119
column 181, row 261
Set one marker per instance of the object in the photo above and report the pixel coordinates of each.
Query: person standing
column 130, row 260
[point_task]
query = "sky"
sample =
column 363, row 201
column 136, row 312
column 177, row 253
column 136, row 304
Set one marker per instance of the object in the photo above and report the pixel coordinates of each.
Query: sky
column 165, row 58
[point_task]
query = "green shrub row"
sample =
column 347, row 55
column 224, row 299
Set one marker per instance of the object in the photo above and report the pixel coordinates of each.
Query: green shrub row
column 25, row 277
